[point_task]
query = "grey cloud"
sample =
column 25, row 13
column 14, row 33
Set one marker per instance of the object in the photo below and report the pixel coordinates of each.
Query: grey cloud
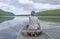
column 12, row 2
column 47, row 1
column 6, row 1
column 19, row 5
column 28, row 7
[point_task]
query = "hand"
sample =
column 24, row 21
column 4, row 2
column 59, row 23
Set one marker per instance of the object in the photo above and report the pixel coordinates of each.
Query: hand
column 27, row 26
column 39, row 25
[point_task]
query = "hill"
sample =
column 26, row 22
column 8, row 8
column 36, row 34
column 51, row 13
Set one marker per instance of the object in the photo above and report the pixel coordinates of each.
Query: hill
column 49, row 13
column 4, row 13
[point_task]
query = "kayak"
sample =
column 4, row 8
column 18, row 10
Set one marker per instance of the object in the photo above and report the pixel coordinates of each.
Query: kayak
column 34, row 34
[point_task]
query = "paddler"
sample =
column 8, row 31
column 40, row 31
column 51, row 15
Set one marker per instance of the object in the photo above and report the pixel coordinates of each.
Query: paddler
column 34, row 22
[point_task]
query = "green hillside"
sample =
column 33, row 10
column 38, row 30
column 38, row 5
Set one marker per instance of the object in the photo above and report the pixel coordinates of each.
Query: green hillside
column 2, row 19
column 3, row 13
column 50, row 19
column 49, row 13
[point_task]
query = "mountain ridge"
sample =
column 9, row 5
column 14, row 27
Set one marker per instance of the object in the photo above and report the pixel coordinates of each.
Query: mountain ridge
column 5, row 13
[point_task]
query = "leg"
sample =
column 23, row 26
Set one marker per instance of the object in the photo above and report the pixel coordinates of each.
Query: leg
column 28, row 33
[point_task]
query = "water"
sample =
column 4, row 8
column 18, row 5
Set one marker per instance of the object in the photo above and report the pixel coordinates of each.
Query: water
column 10, row 28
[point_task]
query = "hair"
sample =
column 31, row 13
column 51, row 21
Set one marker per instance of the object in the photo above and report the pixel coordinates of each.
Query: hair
column 33, row 13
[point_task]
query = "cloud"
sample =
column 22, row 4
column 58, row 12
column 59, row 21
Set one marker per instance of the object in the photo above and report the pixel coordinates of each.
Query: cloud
column 26, row 6
column 29, row 5
column 46, row 6
column 25, row 1
column 47, row 1
column 10, row 8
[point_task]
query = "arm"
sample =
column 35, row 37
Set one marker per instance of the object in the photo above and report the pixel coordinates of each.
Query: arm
column 27, row 26
column 39, row 24
column 28, row 23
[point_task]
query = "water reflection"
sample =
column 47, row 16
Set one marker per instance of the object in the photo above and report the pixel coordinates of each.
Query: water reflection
column 20, row 20
column 3, row 18
column 12, row 27
column 49, row 25
column 13, row 22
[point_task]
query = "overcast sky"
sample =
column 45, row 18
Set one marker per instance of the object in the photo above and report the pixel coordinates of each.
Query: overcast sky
column 26, row 6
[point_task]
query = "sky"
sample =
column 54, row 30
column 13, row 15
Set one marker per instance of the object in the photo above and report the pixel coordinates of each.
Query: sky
column 26, row 6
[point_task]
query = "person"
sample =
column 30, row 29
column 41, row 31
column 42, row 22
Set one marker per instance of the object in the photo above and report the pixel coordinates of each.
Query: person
column 34, row 22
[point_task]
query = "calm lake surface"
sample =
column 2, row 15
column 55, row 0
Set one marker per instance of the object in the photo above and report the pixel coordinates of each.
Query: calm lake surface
column 10, row 28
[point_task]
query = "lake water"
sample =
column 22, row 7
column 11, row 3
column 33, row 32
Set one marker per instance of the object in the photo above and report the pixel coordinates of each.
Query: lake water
column 10, row 28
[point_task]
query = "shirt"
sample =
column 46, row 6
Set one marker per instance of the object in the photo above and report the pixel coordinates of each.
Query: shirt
column 33, row 22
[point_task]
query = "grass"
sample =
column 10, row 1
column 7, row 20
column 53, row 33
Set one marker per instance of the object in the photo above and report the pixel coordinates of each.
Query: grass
column 2, row 19
column 49, row 13
column 50, row 19
column 4, row 13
